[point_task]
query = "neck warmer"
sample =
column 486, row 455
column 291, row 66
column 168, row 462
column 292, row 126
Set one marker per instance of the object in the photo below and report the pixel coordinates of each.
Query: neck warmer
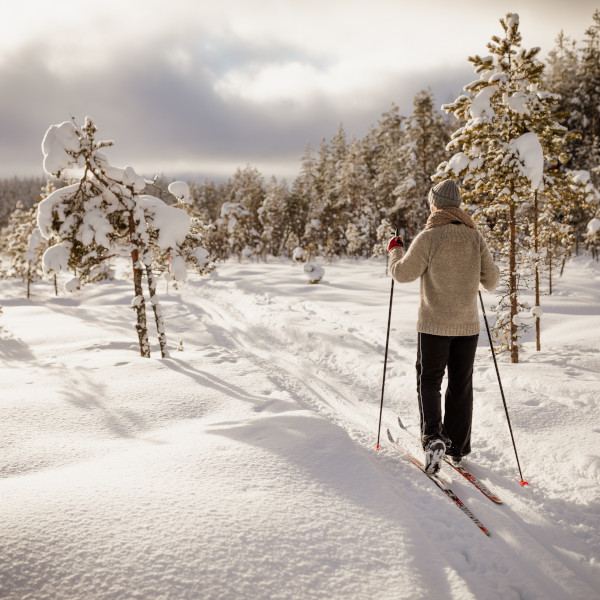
column 449, row 214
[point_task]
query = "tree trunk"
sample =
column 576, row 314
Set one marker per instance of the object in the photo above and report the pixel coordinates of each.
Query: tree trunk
column 139, row 304
column 538, row 345
column 550, row 273
column 512, row 284
column 562, row 266
column 158, row 318
column 55, row 285
column 28, row 278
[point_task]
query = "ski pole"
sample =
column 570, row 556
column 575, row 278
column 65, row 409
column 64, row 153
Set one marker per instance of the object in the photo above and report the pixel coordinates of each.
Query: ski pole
column 523, row 482
column 387, row 342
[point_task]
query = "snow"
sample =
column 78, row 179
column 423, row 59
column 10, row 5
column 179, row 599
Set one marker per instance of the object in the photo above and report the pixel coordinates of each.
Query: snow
column 314, row 272
column 593, row 226
column 181, row 191
column 529, row 150
column 58, row 146
column 72, row 285
column 173, row 224
column 49, row 205
column 245, row 466
column 458, row 163
column 481, row 109
column 35, row 239
column 299, row 254
column 517, row 102
column 56, row 258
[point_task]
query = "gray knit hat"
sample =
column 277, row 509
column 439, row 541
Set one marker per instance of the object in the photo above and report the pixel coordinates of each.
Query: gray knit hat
column 445, row 193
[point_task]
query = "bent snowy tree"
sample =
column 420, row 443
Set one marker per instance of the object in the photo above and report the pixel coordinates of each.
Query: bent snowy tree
column 103, row 214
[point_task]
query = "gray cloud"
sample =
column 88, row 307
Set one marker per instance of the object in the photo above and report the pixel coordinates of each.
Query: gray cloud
column 163, row 112
column 155, row 111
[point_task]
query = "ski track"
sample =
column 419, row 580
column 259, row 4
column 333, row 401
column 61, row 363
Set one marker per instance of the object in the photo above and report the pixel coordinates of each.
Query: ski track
column 315, row 352
column 525, row 548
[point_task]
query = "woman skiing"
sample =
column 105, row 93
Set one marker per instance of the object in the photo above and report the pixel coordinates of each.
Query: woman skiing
column 452, row 259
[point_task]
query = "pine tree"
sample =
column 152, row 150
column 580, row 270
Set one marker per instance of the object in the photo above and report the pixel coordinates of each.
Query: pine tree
column 357, row 217
column 273, row 215
column 423, row 148
column 24, row 246
column 104, row 214
column 324, row 232
column 508, row 132
column 239, row 221
column 383, row 144
column 304, row 195
column 317, row 221
column 585, row 118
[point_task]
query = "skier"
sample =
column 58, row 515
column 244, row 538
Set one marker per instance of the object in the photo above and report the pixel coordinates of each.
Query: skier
column 452, row 259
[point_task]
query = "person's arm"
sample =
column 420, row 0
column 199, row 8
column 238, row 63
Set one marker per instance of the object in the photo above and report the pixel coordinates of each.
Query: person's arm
column 411, row 266
column 490, row 273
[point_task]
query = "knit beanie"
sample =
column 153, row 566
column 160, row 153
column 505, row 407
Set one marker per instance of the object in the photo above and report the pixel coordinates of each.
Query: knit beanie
column 445, row 193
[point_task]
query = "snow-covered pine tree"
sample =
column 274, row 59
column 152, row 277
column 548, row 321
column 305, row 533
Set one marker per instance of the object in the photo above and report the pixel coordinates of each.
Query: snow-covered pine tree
column 273, row 215
column 505, row 116
column 304, row 194
column 17, row 189
column 103, row 213
column 585, row 116
column 561, row 64
column 423, row 148
column 23, row 246
column 239, row 214
column 383, row 144
column 357, row 217
column 324, row 232
column 593, row 235
column 315, row 230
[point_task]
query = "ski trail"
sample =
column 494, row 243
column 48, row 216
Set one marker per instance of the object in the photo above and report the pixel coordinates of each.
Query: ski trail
column 285, row 339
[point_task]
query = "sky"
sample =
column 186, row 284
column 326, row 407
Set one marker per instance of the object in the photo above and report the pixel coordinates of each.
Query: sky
column 196, row 88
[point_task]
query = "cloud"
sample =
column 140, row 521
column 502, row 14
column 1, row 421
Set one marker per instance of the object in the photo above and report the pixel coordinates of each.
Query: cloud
column 166, row 105
column 204, row 89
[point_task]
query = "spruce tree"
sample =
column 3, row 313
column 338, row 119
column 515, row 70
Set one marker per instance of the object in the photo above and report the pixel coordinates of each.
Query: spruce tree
column 383, row 154
column 507, row 133
column 423, row 148
column 585, row 118
column 273, row 215
column 303, row 196
column 23, row 246
column 357, row 216
column 239, row 219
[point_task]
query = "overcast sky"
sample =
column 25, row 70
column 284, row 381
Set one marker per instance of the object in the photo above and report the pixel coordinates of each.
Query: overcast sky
column 202, row 87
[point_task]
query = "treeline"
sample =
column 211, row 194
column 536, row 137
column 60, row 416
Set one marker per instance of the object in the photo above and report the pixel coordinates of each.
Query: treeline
column 351, row 193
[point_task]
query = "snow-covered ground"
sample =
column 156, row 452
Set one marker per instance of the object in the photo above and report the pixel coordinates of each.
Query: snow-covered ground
column 244, row 467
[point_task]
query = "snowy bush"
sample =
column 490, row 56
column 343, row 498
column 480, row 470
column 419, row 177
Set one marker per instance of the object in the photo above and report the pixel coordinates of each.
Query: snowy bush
column 314, row 272
column 299, row 254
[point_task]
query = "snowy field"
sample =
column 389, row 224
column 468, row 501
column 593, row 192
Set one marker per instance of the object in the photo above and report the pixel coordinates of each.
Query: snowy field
column 244, row 467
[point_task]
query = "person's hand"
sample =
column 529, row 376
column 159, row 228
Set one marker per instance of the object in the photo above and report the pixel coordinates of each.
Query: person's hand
column 396, row 242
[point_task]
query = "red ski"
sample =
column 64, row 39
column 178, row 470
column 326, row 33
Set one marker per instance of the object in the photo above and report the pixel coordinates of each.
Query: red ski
column 439, row 482
column 462, row 470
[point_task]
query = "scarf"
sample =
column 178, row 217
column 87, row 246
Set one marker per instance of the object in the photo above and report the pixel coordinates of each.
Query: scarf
column 449, row 214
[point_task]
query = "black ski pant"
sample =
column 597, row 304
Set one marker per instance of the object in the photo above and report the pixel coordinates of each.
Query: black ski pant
column 435, row 353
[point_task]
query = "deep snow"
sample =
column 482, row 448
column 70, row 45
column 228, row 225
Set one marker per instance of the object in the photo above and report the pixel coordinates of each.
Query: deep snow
column 245, row 465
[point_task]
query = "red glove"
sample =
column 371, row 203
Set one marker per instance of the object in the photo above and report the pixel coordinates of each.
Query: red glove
column 396, row 242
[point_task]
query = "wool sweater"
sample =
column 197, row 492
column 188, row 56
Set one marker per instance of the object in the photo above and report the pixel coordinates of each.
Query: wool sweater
column 452, row 261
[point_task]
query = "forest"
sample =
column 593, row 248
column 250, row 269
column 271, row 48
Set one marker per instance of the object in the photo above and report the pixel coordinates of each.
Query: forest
column 522, row 140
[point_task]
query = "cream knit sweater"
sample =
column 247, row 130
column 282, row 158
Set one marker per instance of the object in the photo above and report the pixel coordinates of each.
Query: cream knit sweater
column 451, row 260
